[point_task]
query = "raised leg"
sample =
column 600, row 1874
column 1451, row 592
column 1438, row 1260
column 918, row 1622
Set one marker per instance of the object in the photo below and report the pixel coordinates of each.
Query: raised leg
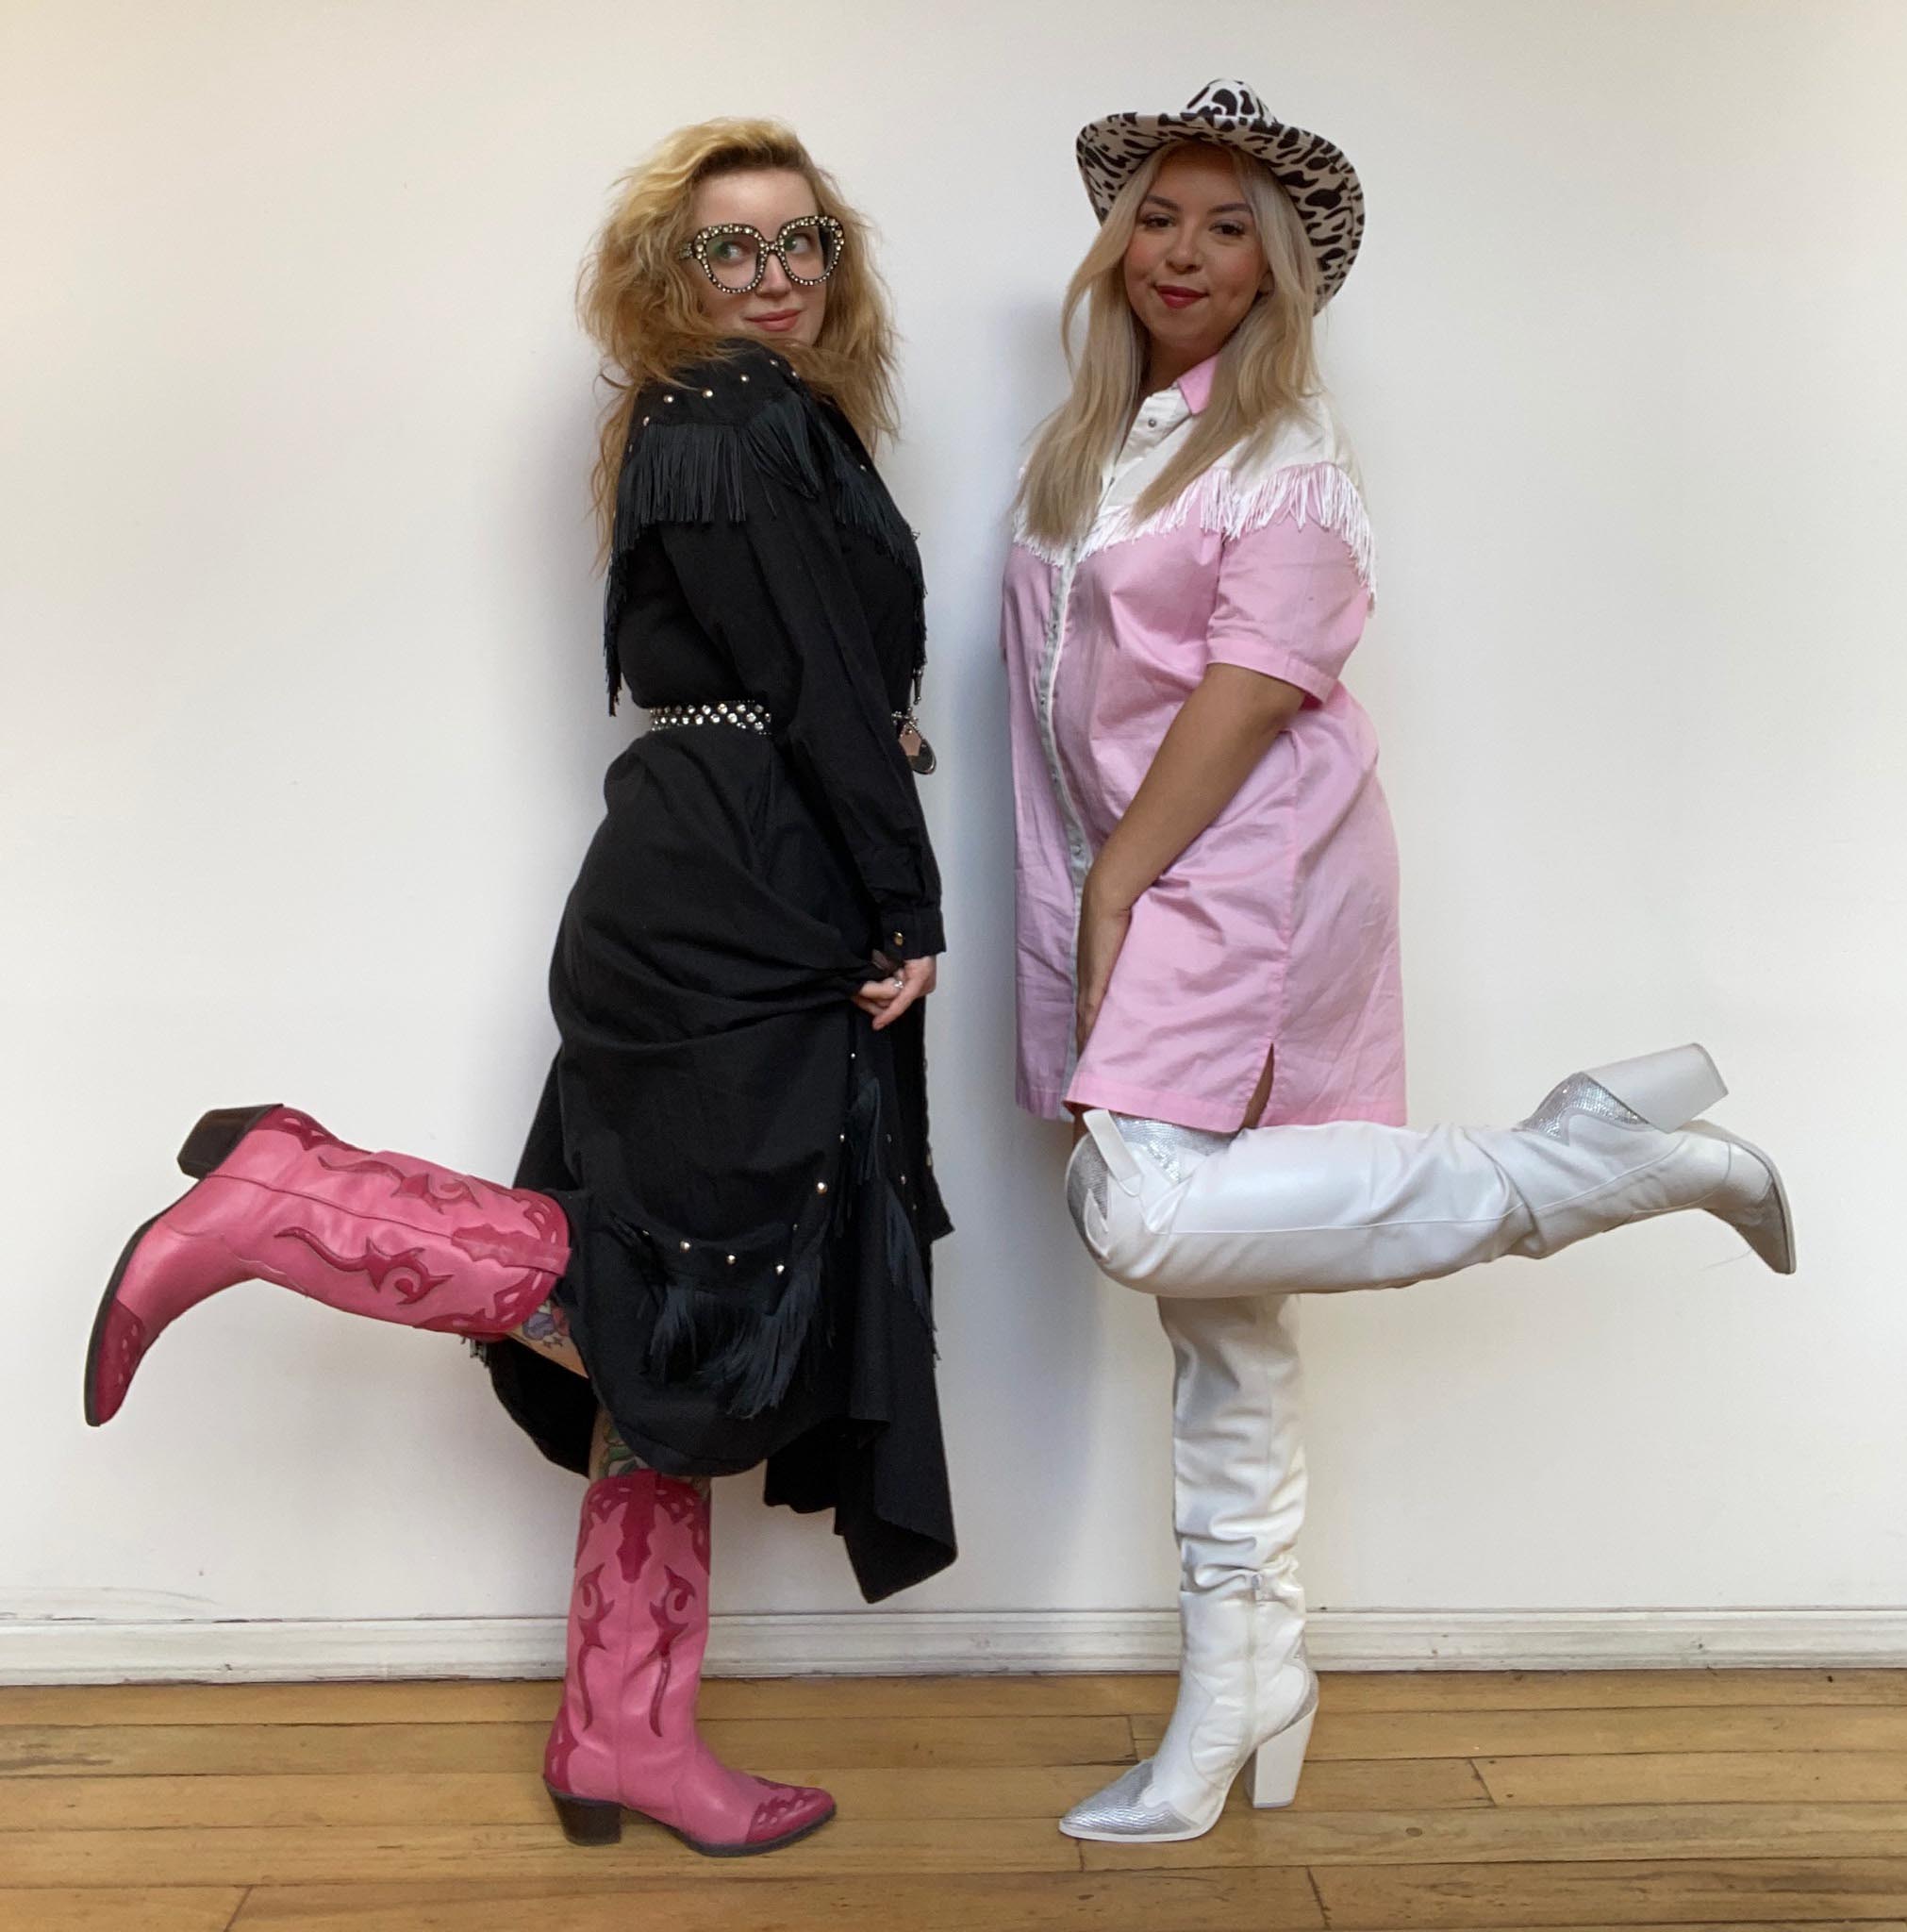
column 1357, row 1205
column 384, row 1235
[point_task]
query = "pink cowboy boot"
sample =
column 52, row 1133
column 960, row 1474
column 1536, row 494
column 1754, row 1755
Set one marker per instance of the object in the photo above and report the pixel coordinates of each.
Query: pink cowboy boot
column 278, row 1199
column 624, row 1736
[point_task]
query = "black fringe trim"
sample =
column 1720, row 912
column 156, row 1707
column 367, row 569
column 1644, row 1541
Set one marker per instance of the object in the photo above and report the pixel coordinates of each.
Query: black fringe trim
column 694, row 472
column 904, row 1258
column 748, row 1359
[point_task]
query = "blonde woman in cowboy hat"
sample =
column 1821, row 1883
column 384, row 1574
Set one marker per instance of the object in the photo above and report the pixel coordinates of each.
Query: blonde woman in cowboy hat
column 1207, row 896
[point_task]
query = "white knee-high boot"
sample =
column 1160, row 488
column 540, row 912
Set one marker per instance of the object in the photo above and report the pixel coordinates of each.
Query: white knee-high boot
column 1238, row 1498
column 1354, row 1205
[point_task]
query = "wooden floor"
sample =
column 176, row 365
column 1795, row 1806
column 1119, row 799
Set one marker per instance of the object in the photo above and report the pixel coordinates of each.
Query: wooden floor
column 1644, row 1799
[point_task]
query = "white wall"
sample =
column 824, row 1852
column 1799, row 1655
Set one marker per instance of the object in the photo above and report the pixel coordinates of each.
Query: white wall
column 303, row 735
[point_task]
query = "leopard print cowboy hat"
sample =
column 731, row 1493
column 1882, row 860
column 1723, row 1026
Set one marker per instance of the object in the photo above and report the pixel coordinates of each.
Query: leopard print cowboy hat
column 1321, row 183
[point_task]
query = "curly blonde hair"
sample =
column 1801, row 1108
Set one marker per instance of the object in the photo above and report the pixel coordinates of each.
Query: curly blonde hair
column 1267, row 371
column 638, row 302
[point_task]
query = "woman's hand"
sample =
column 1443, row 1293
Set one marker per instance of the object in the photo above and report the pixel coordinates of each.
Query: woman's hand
column 1105, row 918
column 890, row 996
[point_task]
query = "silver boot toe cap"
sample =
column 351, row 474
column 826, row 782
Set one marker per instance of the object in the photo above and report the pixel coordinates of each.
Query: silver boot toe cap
column 1119, row 1811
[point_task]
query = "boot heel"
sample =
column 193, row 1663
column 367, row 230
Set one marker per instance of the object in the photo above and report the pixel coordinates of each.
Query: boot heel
column 217, row 1133
column 588, row 1821
column 1279, row 1762
column 1669, row 1089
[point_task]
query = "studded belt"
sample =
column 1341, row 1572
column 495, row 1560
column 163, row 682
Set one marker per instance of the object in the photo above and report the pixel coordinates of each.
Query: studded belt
column 744, row 713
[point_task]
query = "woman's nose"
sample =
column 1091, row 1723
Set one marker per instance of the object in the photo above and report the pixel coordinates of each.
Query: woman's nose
column 774, row 279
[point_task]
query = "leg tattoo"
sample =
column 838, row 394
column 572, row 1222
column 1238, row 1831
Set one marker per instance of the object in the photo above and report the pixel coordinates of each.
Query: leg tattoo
column 610, row 1456
column 547, row 1331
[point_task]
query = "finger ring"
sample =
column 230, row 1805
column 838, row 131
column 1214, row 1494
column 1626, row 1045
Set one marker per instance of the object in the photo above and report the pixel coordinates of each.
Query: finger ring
column 900, row 981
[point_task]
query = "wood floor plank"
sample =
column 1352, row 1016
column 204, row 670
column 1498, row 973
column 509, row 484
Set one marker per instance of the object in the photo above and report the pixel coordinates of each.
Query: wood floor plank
column 534, row 1701
column 1807, row 1924
column 1560, row 1833
column 244, row 1854
column 260, row 1750
column 1102, row 1694
column 1028, row 1902
column 1024, row 1902
column 296, row 1799
column 419, row 1702
column 1684, row 1777
column 1395, row 1784
column 482, row 1798
column 1592, row 1733
column 1356, row 1690
column 1708, row 1893
column 187, row 1910
column 845, row 1744
column 439, row 1701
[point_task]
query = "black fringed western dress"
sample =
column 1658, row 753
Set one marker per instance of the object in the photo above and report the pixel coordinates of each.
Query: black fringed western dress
column 743, row 1159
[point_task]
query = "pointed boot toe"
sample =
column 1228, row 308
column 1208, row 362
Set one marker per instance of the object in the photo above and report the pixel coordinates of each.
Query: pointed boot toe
column 786, row 1813
column 1755, row 1200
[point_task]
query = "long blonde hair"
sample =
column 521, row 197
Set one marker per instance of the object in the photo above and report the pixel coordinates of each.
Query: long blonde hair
column 1267, row 371
column 638, row 298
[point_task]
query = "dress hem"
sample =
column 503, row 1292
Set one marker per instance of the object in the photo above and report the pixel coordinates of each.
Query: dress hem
column 1047, row 1103
column 1179, row 1110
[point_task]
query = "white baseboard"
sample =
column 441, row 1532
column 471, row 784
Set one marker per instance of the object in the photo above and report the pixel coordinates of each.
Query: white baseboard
column 951, row 1642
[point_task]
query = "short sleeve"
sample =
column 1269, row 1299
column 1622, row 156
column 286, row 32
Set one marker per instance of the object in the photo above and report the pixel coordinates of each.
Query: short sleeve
column 1292, row 604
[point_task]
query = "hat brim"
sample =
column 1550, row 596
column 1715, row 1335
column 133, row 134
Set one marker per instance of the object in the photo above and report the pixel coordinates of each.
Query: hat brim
column 1314, row 172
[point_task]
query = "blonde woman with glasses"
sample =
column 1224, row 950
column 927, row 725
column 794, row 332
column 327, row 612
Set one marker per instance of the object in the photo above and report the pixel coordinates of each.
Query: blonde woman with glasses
column 1207, row 930
column 717, row 1252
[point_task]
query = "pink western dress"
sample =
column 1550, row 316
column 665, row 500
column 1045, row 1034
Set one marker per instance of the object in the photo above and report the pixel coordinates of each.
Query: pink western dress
column 1276, row 930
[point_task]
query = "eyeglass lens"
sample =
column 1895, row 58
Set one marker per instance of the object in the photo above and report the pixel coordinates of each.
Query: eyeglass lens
column 808, row 252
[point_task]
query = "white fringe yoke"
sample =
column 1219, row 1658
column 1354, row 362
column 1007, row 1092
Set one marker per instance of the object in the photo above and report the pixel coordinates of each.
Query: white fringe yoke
column 1308, row 475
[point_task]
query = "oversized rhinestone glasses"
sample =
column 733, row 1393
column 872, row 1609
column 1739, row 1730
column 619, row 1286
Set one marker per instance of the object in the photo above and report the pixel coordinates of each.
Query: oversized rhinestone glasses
column 734, row 256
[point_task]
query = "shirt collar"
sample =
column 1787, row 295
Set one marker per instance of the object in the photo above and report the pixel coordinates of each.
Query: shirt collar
column 1196, row 384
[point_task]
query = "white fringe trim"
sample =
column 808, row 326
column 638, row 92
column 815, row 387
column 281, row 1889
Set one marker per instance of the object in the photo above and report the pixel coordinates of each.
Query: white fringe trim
column 1315, row 492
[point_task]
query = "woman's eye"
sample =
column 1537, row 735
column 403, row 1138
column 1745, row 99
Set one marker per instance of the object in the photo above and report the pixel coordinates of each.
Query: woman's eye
column 801, row 244
column 729, row 248
column 1153, row 222
column 1231, row 230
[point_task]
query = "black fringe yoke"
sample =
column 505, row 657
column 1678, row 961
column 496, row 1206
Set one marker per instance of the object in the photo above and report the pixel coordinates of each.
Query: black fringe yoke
column 744, row 1161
